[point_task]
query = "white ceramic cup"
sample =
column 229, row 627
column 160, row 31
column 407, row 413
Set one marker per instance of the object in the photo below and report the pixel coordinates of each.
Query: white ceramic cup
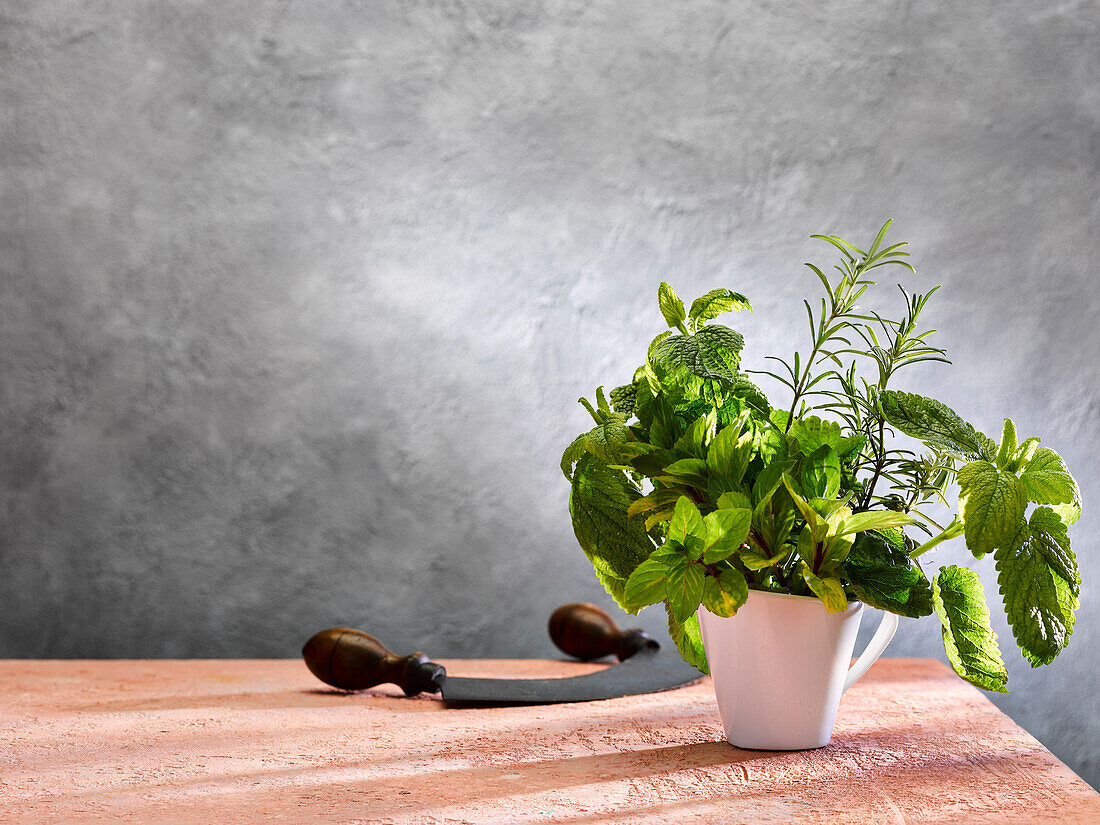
column 780, row 666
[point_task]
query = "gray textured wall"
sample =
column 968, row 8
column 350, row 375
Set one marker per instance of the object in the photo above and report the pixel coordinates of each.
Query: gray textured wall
column 296, row 298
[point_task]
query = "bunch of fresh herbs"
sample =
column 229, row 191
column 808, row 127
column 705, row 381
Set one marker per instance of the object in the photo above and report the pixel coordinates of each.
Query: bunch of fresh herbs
column 691, row 488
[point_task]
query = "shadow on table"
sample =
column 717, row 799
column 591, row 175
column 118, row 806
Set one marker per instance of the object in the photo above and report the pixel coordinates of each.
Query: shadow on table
column 264, row 700
column 661, row 781
column 701, row 781
column 384, row 697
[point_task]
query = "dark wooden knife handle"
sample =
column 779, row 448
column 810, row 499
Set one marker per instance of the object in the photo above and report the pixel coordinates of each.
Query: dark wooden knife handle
column 353, row 660
column 586, row 632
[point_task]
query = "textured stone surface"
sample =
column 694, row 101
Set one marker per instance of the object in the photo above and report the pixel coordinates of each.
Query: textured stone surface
column 261, row 741
column 295, row 299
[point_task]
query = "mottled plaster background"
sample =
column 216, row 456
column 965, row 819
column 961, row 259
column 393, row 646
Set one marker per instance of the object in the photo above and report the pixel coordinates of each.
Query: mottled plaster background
column 296, row 299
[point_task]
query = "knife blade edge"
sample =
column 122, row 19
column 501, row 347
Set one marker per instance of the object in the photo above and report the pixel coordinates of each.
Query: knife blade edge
column 647, row 671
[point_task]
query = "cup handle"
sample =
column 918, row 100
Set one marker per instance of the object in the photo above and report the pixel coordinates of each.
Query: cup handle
column 886, row 630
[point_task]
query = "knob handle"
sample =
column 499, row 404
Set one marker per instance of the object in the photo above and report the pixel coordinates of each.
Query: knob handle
column 586, row 632
column 353, row 660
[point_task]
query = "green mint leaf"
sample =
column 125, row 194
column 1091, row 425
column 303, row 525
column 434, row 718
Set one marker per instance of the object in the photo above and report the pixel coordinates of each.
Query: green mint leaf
column 968, row 637
column 814, row 522
column 657, row 517
column 1069, row 513
column 768, row 481
column 836, row 550
column 696, row 437
column 992, row 504
column 716, row 302
column 601, row 401
column 725, row 593
column 882, row 575
column 684, row 587
column 833, row 510
column 572, row 454
column 753, row 397
column 1051, row 539
column 773, row 519
column 1046, row 479
column 726, row 531
column 1039, row 600
column 729, row 454
column 692, row 548
column 872, row 520
column 688, row 471
column 721, row 449
column 686, row 521
column 772, row 524
column 624, row 398
column 688, row 640
column 812, row 433
column 734, row 501
column 605, row 441
column 584, row 402
column 657, row 339
column 807, row 546
column 828, row 589
column 646, row 584
column 713, row 396
column 1006, row 452
column 653, row 462
column 1026, row 450
column 657, row 500
column 613, row 542
column 821, row 473
column 661, row 434
column 713, row 352
column 671, row 305
column 719, row 486
column 934, row 423
column 755, row 560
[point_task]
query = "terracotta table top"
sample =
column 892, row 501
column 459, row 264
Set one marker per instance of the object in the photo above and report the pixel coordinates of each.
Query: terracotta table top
column 263, row 741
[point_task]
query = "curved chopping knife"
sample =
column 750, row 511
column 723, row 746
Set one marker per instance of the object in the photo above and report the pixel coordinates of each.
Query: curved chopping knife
column 353, row 660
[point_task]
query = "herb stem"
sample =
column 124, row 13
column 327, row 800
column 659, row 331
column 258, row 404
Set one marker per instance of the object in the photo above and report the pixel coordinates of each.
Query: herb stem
column 880, row 463
column 840, row 307
column 931, row 521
